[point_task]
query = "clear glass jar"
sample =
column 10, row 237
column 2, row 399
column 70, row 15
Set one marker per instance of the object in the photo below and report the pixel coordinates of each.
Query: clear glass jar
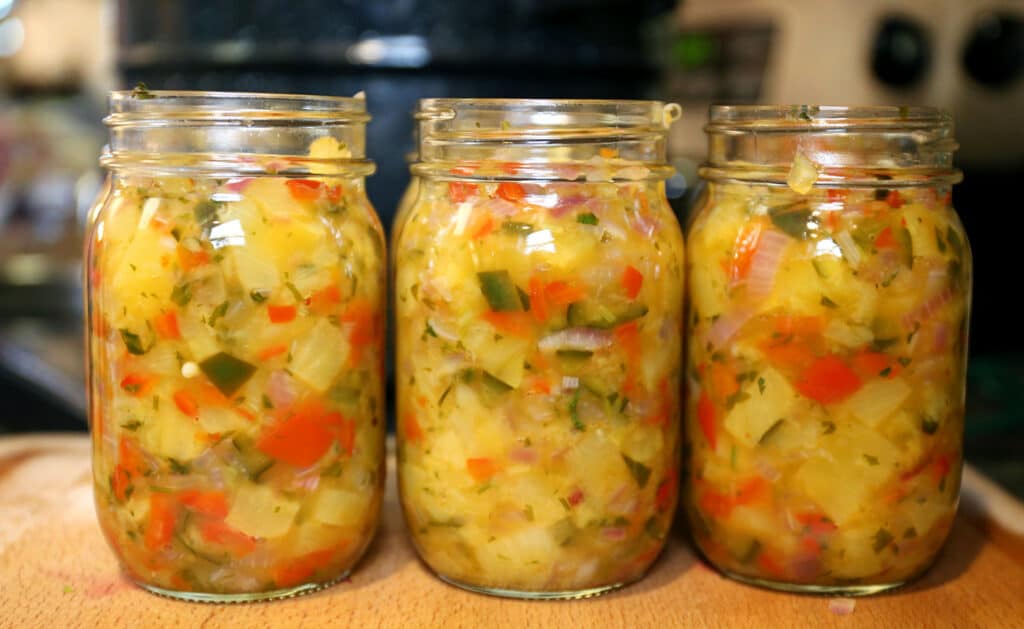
column 539, row 315
column 235, row 294
column 829, row 282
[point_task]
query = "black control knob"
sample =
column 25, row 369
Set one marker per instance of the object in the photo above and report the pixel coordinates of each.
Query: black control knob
column 994, row 52
column 901, row 54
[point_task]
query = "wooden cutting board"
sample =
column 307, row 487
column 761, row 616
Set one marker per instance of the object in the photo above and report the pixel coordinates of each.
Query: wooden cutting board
column 57, row 571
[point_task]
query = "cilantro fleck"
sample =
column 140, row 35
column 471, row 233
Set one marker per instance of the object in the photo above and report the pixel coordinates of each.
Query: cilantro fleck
column 132, row 425
column 641, row 473
column 885, row 372
column 761, row 385
column 828, row 303
column 829, row 426
column 587, row 219
column 872, row 460
column 258, row 296
column 182, row 294
column 574, row 414
column 132, row 342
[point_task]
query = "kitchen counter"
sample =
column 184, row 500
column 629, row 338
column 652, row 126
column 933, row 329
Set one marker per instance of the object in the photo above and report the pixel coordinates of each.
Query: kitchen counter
column 56, row 570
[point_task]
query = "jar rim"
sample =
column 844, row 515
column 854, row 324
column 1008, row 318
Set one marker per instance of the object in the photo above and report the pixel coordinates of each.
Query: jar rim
column 554, row 113
column 793, row 118
column 142, row 106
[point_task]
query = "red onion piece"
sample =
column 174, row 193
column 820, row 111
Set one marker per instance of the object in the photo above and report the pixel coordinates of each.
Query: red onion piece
column 281, row 389
column 842, row 606
column 499, row 207
column 581, row 339
column 728, row 324
column 523, row 455
column 237, row 185
column 765, row 263
column 614, row 533
column 567, row 204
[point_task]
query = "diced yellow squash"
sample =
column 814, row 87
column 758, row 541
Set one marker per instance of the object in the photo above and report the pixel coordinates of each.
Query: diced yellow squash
column 201, row 341
column 856, row 460
column 751, row 418
column 606, row 469
column 878, row 399
column 172, row 435
column 340, row 507
column 318, row 356
column 255, row 272
column 259, row 511
column 138, row 275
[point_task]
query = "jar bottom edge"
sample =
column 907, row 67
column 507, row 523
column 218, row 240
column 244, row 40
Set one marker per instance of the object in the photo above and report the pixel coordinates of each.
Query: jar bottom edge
column 811, row 589
column 245, row 597
column 565, row 595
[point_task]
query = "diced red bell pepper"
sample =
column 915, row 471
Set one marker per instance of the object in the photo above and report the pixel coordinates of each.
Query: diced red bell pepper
column 166, row 325
column 706, row 418
column 217, row 531
column 210, row 503
column 743, row 253
column 632, row 281
column 411, row 428
column 538, row 300
column 481, row 469
column 828, row 380
column 300, row 440
column 186, row 403
column 281, row 314
column 511, row 191
column 163, row 516
column 517, row 324
column 459, row 191
column 299, row 570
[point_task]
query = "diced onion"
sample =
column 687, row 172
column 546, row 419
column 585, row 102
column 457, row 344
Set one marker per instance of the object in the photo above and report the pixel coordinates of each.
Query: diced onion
column 765, row 263
column 570, row 382
column 878, row 399
column 727, row 325
column 581, row 339
column 849, row 248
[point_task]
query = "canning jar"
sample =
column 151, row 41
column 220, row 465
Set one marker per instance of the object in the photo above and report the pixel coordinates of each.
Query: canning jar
column 829, row 283
column 235, row 291
column 539, row 315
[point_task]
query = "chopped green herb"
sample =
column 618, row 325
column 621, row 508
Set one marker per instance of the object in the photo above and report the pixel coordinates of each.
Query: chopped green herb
column 294, row 291
column 882, row 344
column 954, row 242
column 141, row 92
column 906, row 246
column 182, row 294
column 910, row 533
column 882, row 539
column 904, row 360
column 132, row 342
column 574, row 354
column 829, row 427
column 217, row 313
column 885, row 372
column 929, row 426
column 132, row 425
column 177, row 467
column 828, row 303
column 205, row 212
column 651, row 528
column 751, row 553
column 872, row 460
column 761, row 385
column 574, row 413
column 939, row 242
column 429, row 331
column 267, row 403
column 587, row 219
column 641, row 473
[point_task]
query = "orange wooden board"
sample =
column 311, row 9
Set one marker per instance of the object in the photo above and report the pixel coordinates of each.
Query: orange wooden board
column 57, row 571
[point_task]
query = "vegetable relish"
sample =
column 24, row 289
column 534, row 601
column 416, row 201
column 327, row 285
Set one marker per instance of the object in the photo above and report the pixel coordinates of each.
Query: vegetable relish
column 827, row 340
column 236, row 340
column 538, row 373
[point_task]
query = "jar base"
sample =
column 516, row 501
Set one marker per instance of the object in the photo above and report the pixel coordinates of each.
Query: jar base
column 566, row 595
column 245, row 597
column 820, row 590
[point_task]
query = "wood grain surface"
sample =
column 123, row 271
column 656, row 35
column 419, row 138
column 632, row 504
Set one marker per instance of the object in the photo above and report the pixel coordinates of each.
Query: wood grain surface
column 57, row 571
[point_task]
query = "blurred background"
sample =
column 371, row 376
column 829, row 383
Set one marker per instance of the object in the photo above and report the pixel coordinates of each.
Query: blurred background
column 58, row 58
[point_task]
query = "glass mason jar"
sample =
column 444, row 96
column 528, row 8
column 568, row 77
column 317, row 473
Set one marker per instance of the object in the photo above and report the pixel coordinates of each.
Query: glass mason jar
column 235, row 294
column 539, row 313
column 829, row 282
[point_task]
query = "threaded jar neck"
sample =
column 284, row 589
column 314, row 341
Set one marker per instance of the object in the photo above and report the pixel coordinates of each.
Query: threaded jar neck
column 544, row 139
column 848, row 146
column 231, row 133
